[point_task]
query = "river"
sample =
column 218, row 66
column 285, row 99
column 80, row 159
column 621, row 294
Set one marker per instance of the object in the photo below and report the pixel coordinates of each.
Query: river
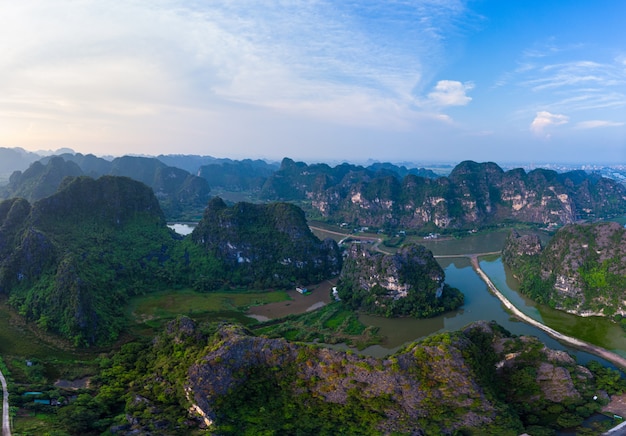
column 480, row 304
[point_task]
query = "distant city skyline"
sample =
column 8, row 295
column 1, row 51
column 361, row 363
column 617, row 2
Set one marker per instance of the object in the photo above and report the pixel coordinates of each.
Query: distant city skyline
column 318, row 81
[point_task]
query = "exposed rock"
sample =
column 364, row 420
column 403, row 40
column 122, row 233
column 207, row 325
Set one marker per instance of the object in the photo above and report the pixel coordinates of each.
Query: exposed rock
column 441, row 380
column 410, row 282
column 331, row 375
column 583, row 268
column 474, row 194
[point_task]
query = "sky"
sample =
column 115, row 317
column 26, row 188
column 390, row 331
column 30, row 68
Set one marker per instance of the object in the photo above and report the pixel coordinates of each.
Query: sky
column 317, row 80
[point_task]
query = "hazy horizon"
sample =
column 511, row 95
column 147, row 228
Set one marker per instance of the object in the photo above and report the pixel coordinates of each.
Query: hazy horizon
column 410, row 81
column 366, row 162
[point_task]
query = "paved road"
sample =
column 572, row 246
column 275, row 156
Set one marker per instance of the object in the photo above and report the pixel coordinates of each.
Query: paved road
column 585, row 346
column 6, row 424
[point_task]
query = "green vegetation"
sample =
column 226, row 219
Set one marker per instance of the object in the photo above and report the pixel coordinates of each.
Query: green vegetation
column 407, row 283
column 473, row 196
column 168, row 304
column 265, row 404
column 332, row 324
column 72, row 260
column 264, row 246
column 581, row 269
column 268, row 386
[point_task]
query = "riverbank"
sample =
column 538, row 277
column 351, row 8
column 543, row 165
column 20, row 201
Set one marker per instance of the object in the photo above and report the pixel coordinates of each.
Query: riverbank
column 582, row 345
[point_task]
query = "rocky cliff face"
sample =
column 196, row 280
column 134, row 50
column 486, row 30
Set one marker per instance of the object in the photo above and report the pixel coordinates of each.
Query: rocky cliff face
column 517, row 249
column 266, row 244
column 582, row 269
column 475, row 194
column 410, row 282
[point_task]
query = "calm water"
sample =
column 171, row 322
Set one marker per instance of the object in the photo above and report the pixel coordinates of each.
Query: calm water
column 480, row 304
column 596, row 330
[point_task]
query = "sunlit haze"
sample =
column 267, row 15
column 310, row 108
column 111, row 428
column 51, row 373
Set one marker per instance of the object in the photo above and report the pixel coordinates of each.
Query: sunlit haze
column 423, row 80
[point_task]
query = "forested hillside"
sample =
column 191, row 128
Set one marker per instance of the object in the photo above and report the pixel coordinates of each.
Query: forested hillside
column 70, row 261
column 225, row 380
column 407, row 283
column 581, row 269
column 265, row 245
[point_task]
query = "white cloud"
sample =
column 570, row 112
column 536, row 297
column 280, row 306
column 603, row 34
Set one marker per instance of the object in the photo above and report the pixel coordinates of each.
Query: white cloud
column 104, row 58
column 450, row 93
column 593, row 124
column 545, row 119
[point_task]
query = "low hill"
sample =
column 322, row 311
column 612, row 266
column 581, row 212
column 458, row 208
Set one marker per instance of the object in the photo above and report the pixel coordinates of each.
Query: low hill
column 581, row 270
column 479, row 380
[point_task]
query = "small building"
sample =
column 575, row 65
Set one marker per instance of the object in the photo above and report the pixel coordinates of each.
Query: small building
column 303, row 291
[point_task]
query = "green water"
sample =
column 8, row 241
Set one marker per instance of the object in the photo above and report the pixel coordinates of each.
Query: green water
column 480, row 304
column 474, row 243
column 596, row 330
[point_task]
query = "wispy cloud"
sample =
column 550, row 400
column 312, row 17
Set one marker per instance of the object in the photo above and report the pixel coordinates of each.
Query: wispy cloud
column 573, row 74
column 544, row 120
column 148, row 57
column 594, row 124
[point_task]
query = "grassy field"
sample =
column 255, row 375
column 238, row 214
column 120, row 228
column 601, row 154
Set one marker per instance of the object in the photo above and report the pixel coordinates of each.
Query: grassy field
column 169, row 304
column 332, row 324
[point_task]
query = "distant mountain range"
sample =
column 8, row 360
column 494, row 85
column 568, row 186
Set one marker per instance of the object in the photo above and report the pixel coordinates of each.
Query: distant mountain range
column 474, row 195
column 180, row 193
column 381, row 195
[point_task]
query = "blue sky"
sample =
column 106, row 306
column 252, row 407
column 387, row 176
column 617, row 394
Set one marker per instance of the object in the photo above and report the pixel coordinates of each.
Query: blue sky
column 398, row 80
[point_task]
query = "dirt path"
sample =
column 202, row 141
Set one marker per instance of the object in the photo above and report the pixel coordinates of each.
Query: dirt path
column 6, row 424
column 616, row 359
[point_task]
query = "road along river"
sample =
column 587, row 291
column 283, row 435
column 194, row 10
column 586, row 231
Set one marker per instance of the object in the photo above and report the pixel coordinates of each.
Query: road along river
column 585, row 346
